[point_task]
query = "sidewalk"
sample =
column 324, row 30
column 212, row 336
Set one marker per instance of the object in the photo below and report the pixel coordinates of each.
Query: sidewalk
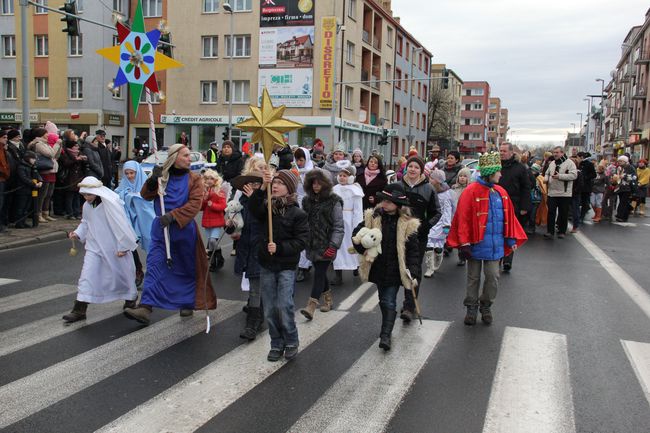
column 55, row 230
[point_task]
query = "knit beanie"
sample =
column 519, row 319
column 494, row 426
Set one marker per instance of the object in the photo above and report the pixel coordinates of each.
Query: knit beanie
column 418, row 161
column 289, row 179
column 13, row 134
column 52, row 138
column 488, row 164
column 465, row 172
column 51, row 127
column 351, row 170
column 536, row 168
column 438, row 175
column 357, row 151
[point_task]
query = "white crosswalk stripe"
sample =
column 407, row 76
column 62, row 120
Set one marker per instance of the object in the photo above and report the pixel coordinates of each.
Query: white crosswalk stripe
column 5, row 281
column 639, row 356
column 25, row 299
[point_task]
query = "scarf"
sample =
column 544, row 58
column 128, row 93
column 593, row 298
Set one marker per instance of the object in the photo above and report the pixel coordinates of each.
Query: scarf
column 558, row 163
column 370, row 175
column 73, row 152
column 280, row 204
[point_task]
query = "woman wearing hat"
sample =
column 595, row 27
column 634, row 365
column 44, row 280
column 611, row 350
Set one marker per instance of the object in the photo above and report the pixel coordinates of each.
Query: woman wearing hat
column 626, row 185
column 399, row 262
column 484, row 229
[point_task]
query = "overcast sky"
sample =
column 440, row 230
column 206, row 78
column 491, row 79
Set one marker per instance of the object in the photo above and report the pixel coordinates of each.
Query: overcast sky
column 540, row 58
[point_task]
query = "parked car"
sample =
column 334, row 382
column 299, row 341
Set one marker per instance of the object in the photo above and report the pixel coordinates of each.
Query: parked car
column 199, row 163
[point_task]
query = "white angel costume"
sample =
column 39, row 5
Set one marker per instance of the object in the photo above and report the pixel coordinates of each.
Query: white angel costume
column 105, row 230
column 352, row 196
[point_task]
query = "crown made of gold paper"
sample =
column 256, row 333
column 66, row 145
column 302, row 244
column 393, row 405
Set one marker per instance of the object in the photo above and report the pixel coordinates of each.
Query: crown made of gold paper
column 489, row 163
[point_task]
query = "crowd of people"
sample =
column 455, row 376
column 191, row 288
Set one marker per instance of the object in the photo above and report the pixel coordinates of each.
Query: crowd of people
column 297, row 216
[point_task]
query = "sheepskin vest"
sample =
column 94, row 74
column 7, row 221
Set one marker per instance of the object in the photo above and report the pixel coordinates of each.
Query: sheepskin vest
column 406, row 226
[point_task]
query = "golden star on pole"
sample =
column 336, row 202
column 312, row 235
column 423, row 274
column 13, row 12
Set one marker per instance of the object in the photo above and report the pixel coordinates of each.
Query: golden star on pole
column 268, row 125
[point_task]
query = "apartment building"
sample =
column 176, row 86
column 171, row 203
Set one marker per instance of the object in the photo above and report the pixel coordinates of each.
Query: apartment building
column 494, row 120
column 504, row 126
column 627, row 108
column 67, row 80
column 474, row 117
column 445, row 103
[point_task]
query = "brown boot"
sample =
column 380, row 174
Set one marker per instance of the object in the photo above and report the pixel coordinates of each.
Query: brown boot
column 142, row 314
column 327, row 301
column 78, row 312
column 48, row 217
column 309, row 310
column 599, row 213
column 42, row 219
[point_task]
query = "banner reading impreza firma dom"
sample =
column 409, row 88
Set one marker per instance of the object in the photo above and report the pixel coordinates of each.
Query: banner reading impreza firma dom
column 328, row 44
column 285, row 13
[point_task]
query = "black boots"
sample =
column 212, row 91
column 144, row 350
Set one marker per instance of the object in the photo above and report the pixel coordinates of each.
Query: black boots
column 338, row 279
column 470, row 317
column 254, row 321
column 387, row 324
column 486, row 313
column 301, row 274
column 78, row 312
column 216, row 260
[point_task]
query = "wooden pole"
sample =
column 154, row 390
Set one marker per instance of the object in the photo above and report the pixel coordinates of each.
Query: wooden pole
column 270, row 210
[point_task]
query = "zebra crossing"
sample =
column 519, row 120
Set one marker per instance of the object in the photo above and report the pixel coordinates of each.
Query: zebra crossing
column 531, row 387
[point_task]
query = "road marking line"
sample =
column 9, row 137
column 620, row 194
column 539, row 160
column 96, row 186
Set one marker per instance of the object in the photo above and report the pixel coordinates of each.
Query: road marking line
column 639, row 356
column 4, row 281
column 531, row 390
column 41, row 330
column 622, row 278
column 30, row 394
column 365, row 398
column 354, row 297
column 622, row 224
column 194, row 401
column 647, row 225
column 370, row 304
column 24, row 299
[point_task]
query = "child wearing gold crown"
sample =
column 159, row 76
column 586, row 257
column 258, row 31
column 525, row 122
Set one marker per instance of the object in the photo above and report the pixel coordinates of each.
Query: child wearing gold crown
column 484, row 229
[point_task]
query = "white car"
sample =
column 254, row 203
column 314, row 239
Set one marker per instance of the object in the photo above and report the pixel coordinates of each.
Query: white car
column 199, row 163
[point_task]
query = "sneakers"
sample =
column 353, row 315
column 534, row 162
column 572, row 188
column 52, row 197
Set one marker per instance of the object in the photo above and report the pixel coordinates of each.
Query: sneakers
column 142, row 314
column 275, row 355
column 461, row 262
column 470, row 317
column 233, row 252
column 186, row 312
column 290, row 352
column 486, row 314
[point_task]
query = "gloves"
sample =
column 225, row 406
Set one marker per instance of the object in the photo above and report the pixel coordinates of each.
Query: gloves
column 329, row 253
column 166, row 220
column 152, row 182
column 465, row 252
column 445, row 230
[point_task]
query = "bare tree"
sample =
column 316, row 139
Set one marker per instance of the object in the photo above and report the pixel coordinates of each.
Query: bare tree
column 441, row 114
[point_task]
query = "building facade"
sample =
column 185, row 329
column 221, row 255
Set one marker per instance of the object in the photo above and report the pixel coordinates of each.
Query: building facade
column 474, row 117
column 494, row 120
column 445, row 103
column 67, row 81
column 504, row 125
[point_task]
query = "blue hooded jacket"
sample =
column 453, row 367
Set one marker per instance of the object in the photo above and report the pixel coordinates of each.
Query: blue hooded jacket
column 139, row 211
column 492, row 245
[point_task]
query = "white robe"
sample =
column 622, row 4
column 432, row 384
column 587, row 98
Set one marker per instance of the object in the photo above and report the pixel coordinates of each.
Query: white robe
column 105, row 277
column 437, row 236
column 352, row 196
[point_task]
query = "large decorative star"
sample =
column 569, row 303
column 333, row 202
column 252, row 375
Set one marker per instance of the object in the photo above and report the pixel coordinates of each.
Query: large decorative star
column 268, row 125
column 137, row 57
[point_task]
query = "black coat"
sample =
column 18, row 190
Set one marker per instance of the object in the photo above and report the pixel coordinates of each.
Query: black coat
column 290, row 234
column 231, row 166
column 73, row 169
column 451, row 173
column 106, row 157
column 25, row 179
column 247, row 259
column 371, row 189
column 424, row 206
column 516, row 181
column 14, row 156
column 589, row 174
column 93, row 166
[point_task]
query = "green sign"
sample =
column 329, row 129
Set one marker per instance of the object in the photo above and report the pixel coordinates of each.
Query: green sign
column 7, row 117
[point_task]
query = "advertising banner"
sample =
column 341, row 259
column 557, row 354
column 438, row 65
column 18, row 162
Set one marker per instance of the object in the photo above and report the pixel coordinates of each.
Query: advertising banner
column 287, row 47
column 290, row 87
column 284, row 13
column 328, row 44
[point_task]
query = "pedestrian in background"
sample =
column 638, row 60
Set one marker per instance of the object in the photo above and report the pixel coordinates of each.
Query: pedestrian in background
column 72, row 164
column 352, row 196
column 29, row 182
column 372, row 180
column 106, row 156
column 576, row 197
column 15, row 152
column 47, row 147
column 627, row 184
column 438, row 233
column 643, row 179
column 213, row 218
column 5, row 174
column 559, row 177
column 598, row 187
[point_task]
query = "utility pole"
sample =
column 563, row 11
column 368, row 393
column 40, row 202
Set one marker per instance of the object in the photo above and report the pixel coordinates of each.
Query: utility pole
column 334, row 102
column 24, row 10
column 587, row 146
column 228, row 8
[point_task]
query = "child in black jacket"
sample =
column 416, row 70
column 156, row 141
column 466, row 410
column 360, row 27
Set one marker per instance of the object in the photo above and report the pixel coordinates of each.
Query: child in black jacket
column 28, row 184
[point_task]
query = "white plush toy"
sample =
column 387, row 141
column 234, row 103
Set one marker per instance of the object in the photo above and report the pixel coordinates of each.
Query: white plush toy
column 233, row 213
column 370, row 239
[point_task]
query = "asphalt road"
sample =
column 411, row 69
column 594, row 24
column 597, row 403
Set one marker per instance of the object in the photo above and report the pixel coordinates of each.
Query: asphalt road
column 569, row 351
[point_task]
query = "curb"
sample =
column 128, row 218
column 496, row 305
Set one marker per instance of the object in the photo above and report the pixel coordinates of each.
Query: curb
column 46, row 237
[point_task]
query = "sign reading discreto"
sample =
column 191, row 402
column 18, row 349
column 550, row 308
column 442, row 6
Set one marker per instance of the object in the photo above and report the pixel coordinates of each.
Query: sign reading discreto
column 284, row 13
column 328, row 42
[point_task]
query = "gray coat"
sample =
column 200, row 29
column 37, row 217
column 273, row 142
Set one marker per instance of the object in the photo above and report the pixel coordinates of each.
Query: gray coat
column 94, row 165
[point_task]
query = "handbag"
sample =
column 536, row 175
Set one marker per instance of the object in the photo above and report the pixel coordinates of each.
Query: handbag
column 43, row 163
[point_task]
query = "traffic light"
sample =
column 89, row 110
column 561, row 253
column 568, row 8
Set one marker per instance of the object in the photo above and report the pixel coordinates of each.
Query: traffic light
column 165, row 48
column 445, row 80
column 71, row 23
column 383, row 140
column 226, row 134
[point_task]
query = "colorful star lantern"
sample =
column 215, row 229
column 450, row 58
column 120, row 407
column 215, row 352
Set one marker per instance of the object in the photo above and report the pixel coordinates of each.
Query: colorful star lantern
column 137, row 57
column 268, row 125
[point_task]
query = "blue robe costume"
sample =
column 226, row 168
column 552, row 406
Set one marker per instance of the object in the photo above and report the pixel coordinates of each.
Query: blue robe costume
column 139, row 211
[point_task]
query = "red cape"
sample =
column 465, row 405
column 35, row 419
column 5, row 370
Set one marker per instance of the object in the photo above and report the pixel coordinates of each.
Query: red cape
column 468, row 225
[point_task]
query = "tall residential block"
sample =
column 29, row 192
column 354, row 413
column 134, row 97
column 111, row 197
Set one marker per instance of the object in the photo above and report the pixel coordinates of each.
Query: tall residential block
column 474, row 117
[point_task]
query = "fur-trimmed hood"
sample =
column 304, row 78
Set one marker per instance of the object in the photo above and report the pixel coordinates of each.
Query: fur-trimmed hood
column 323, row 178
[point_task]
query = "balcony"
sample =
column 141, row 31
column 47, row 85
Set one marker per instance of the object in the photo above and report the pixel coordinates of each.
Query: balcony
column 365, row 75
column 376, row 43
column 644, row 58
column 366, row 37
column 640, row 94
column 375, row 82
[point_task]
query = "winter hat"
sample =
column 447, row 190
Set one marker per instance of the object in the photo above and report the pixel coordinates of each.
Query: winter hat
column 13, row 133
column 417, row 160
column 3, row 132
column 51, row 127
column 536, row 168
column 624, row 158
column 438, row 175
column 29, row 155
column 340, row 147
column 289, row 179
column 100, row 132
column 489, row 163
column 465, row 172
column 228, row 143
column 413, row 152
column 351, row 170
column 395, row 193
column 52, row 139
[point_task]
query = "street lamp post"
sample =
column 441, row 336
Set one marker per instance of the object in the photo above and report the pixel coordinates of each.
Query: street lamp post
column 580, row 129
column 24, row 10
column 228, row 8
column 412, row 60
column 587, row 147
column 574, row 127
column 602, row 112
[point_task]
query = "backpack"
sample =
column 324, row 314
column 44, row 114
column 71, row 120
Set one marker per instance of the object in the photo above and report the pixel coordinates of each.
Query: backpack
column 536, row 194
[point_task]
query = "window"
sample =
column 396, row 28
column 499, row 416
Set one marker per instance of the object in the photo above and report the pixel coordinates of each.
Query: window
column 477, row 121
column 417, row 122
column 40, row 10
column 426, row 66
column 117, row 5
column 386, row 110
column 210, row 6
column 242, row 46
column 241, row 91
column 352, row 9
column 116, row 40
column 425, row 92
column 400, row 41
column 389, row 71
column 408, row 49
column 155, row 97
column 152, row 8
column 41, row 46
column 208, row 92
column 398, row 112
column 404, row 116
column 9, row 88
column 75, row 46
column 80, row 6
column 42, row 88
column 475, row 136
column 210, row 46
column 468, row 107
column 9, row 46
column 389, row 36
column 419, row 90
column 349, row 53
column 7, row 8
column 424, row 122
column 75, row 88
column 476, row 92
column 242, row 5
column 477, row 106
column 406, row 83
column 493, row 117
column 398, row 76
column 420, row 61
column 493, row 106
column 117, row 92
column 349, row 95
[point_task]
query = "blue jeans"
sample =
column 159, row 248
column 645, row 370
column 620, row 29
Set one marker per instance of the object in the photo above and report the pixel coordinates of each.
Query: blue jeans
column 388, row 297
column 277, row 298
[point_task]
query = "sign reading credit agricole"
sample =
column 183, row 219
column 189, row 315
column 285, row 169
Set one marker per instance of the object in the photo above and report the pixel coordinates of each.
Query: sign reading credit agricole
column 284, row 13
